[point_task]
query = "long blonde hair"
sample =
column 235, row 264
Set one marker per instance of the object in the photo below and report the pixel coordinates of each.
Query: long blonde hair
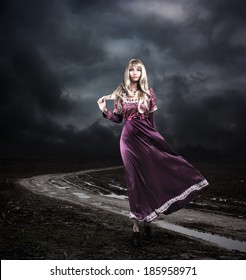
column 143, row 88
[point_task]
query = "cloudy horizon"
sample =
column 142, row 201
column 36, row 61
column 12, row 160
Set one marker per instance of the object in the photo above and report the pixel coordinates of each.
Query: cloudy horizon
column 59, row 57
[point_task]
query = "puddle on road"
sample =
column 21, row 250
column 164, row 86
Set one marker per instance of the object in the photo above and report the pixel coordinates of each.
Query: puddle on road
column 116, row 196
column 81, row 195
column 221, row 241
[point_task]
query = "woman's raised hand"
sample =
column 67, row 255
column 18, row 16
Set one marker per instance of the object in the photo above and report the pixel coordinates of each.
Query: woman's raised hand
column 102, row 104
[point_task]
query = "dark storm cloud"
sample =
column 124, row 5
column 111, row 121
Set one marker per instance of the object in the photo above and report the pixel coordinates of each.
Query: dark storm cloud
column 58, row 57
column 27, row 81
column 215, row 122
column 206, row 35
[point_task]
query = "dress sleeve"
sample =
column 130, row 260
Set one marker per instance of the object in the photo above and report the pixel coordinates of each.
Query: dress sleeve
column 152, row 105
column 112, row 116
column 152, row 119
column 116, row 115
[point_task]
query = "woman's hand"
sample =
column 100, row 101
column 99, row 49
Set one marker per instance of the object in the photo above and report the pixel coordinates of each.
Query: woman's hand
column 102, row 104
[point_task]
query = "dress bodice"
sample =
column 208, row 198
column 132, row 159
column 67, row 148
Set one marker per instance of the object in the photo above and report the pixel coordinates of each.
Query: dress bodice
column 129, row 106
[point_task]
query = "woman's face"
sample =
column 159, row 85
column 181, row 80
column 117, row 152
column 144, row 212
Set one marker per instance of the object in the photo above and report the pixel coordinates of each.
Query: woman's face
column 135, row 73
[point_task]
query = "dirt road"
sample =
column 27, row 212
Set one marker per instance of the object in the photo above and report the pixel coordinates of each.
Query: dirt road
column 83, row 188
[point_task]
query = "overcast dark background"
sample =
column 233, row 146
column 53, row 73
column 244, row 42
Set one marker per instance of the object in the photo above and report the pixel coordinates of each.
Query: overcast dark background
column 59, row 56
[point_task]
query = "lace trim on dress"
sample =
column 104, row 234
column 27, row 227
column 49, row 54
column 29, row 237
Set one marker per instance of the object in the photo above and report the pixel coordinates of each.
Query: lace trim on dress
column 130, row 100
column 153, row 109
column 167, row 204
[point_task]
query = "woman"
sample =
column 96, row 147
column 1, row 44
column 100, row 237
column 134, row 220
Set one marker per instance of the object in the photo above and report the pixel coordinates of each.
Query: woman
column 158, row 180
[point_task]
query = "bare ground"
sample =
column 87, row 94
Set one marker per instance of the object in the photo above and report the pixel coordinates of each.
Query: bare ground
column 35, row 226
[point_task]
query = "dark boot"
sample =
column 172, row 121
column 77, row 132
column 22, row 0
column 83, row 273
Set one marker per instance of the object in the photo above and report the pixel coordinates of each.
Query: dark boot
column 147, row 231
column 136, row 239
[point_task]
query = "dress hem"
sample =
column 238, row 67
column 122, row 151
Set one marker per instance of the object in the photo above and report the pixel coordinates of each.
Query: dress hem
column 170, row 202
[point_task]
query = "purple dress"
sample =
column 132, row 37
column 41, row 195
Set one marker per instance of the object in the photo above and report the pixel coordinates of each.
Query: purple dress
column 158, row 180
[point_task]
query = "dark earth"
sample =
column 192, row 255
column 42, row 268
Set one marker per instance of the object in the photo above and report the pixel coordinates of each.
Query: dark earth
column 39, row 227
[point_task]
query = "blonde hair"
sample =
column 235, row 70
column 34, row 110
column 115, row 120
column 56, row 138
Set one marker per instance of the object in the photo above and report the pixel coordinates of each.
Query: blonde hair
column 143, row 88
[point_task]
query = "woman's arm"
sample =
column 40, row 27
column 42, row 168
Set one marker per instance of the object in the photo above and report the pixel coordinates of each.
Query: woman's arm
column 152, row 119
column 152, row 108
column 112, row 116
column 107, row 114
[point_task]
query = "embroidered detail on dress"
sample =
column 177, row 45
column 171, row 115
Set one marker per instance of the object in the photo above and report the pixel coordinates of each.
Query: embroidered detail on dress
column 130, row 100
column 167, row 204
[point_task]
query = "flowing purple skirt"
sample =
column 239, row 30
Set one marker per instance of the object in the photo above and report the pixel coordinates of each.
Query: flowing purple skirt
column 158, row 180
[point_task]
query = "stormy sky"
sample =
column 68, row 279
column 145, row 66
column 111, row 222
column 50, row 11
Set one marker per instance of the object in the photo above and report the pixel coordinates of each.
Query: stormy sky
column 59, row 56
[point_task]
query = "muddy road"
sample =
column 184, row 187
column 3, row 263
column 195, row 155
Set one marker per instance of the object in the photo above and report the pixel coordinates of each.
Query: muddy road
column 104, row 189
